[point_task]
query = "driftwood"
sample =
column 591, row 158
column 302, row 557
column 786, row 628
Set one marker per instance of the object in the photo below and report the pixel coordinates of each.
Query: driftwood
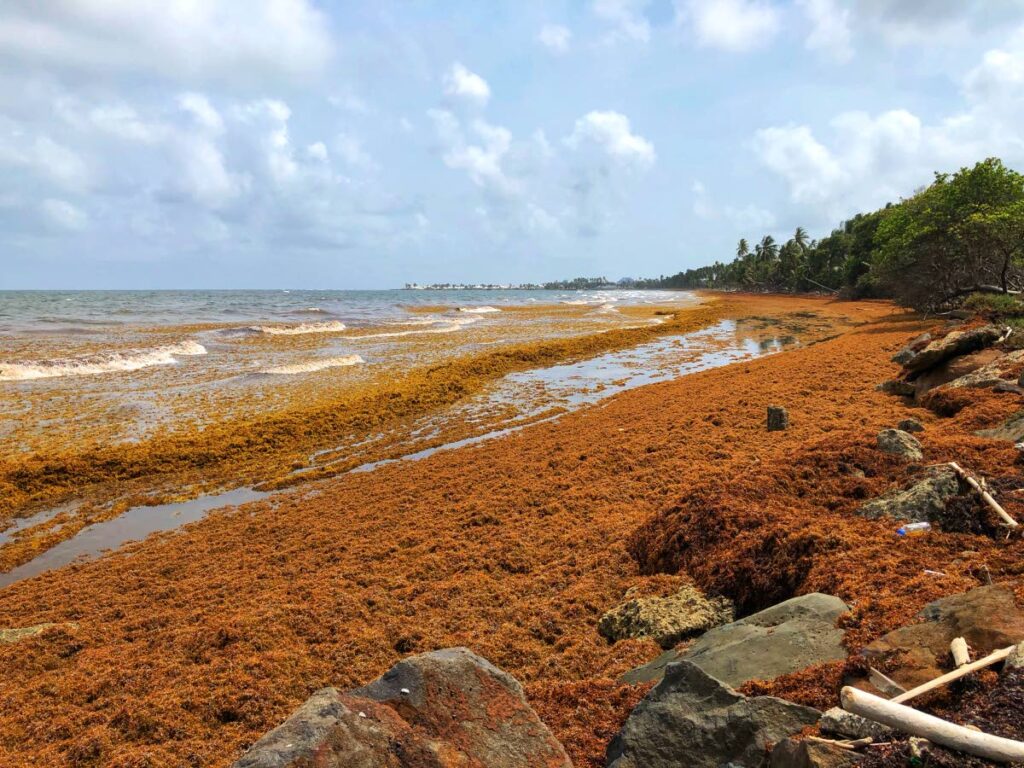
column 985, row 495
column 935, row 729
column 993, row 658
column 958, row 649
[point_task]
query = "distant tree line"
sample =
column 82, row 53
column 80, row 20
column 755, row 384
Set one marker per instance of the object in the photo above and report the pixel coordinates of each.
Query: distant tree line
column 962, row 234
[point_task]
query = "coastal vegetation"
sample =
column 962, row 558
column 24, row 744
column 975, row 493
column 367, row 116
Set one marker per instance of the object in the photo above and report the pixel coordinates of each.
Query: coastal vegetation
column 961, row 235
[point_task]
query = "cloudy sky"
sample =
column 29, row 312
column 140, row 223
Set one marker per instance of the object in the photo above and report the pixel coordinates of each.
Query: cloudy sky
column 306, row 143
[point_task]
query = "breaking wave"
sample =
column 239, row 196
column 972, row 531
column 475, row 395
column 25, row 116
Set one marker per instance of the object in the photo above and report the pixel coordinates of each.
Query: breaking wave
column 111, row 362
column 479, row 310
column 298, row 330
column 450, row 325
column 310, row 366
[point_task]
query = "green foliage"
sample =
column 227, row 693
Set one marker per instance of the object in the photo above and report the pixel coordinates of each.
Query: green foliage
column 995, row 305
column 962, row 234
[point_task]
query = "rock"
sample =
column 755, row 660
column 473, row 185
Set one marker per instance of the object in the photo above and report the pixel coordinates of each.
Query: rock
column 15, row 634
column 899, row 443
column 691, row 719
column 778, row 418
column 911, row 425
column 839, row 722
column 953, row 344
column 435, row 710
column 897, row 387
column 1012, row 429
column 989, row 375
column 787, row 637
column 906, row 354
column 953, row 369
column 666, row 620
column 1016, row 659
column 790, row 753
column 987, row 618
column 924, row 500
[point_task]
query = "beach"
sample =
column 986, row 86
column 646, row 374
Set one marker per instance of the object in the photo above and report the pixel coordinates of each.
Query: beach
column 184, row 648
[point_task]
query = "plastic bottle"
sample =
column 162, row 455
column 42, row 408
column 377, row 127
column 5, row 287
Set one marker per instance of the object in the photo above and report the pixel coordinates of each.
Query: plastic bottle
column 914, row 529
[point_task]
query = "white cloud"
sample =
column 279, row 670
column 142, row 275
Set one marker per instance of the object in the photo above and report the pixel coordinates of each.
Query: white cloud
column 628, row 19
column 746, row 217
column 64, row 215
column 460, row 83
column 935, row 22
column 481, row 161
column 731, row 25
column 830, row 29
column 555, row 37
column 199, row 107
column 317, row 151
column 176, row 39
column 612, row 134
column 350, row 149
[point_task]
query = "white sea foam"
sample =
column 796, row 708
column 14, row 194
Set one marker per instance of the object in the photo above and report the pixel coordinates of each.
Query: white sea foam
column 310, row 366
column 450, row 325
column 112, row 362
column 298, row 330
column 479, row 310
column 606, row 309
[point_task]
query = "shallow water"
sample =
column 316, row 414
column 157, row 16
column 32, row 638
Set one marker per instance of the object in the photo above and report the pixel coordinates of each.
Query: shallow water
column 568, row 386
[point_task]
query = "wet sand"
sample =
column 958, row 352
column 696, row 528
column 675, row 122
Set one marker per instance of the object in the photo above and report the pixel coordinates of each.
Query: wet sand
column 189, row 645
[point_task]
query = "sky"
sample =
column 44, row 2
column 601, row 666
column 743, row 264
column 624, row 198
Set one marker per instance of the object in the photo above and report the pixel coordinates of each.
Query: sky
column 315, row 144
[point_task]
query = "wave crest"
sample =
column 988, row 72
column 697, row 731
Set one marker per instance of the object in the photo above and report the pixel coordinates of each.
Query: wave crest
column 311, row 366
column 112, row 362
column 297, row 330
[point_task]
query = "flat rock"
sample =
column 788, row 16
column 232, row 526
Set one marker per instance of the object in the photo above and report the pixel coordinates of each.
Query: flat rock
column 838, row 722
column 790, row 753
column 990, row 375
column 787, row 637
column 442, row 709
column 899, row 443
column 692, row 720
column 953, row 344
column 906, row 354
column 953, row 369
column 1012, row 429
column 922, row 500
column 897, row 387
column 15, row 634
column 987, row 618
column 666, row 620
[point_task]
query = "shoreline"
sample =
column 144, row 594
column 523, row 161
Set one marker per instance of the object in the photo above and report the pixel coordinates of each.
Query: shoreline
column 513, row 547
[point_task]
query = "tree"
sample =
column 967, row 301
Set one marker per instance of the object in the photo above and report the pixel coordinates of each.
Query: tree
column 800, row 238
column 742, row 248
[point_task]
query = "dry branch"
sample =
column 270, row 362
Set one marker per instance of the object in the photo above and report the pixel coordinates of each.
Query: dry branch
column 985, row 495
column 993, row 658
column 935, row 729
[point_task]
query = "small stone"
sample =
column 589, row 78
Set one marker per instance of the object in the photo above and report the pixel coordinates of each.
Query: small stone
column 899, row 443
column 839, row 722
column 778, row 418
column 666, row 620
column 897, row 387
column 911, row 425
column 1016, row 658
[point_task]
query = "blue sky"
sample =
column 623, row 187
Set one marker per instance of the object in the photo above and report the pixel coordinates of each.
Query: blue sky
column 296, row 143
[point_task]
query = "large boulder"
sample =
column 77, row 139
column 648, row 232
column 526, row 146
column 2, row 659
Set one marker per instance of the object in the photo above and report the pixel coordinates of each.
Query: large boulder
column 987, row 618
column 666, row 620
column 442, row 709
column 953, row 369
column 923, row 500
column 787, row 637
column 953, row 344
column 790, row 753
column 992, row 374
column 899, row 443
column 692, row 720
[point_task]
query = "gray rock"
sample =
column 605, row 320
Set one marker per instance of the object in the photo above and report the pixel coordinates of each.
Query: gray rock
column 899, row 443
column 906, row 354
column 1016, row 658
column 790, row 753
column 787, row 637
column 839, row 722
column 953, row 344
column 449, row 707
column 691, row 720
column 897, row 387
column 923, row 500
column 666, row 620
column 1012, row 429
column 911, row 425
column 778, row 418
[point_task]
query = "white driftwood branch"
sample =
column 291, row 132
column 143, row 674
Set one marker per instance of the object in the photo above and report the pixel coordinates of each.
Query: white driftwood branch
column 993, row 658
column 958, row 649
column 935, row 729
column 885, row 684
column 985, row 495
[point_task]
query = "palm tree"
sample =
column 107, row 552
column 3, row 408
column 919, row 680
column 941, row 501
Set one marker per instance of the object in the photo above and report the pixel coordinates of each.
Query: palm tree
column 800, row 238
column 767, row 249
column 742, row 248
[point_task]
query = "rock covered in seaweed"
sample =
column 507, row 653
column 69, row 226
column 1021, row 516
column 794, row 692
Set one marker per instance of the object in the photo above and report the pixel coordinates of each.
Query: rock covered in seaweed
column 923, row 500
column 899, row 443
column 953, row 344
column 442, row 709
column 666, row 620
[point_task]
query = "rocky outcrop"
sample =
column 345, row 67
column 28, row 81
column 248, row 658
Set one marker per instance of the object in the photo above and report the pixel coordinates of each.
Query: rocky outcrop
column 987, row 617
column 923, row 500
column 915, row 345
column 1012, row 429
column 790, row 753
column 953, row 369
column 444, row 709
column 691, row 719
column 899, row 443
column 953, row 344
column 787, row 637
column 990, row 375
column 666, row 620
